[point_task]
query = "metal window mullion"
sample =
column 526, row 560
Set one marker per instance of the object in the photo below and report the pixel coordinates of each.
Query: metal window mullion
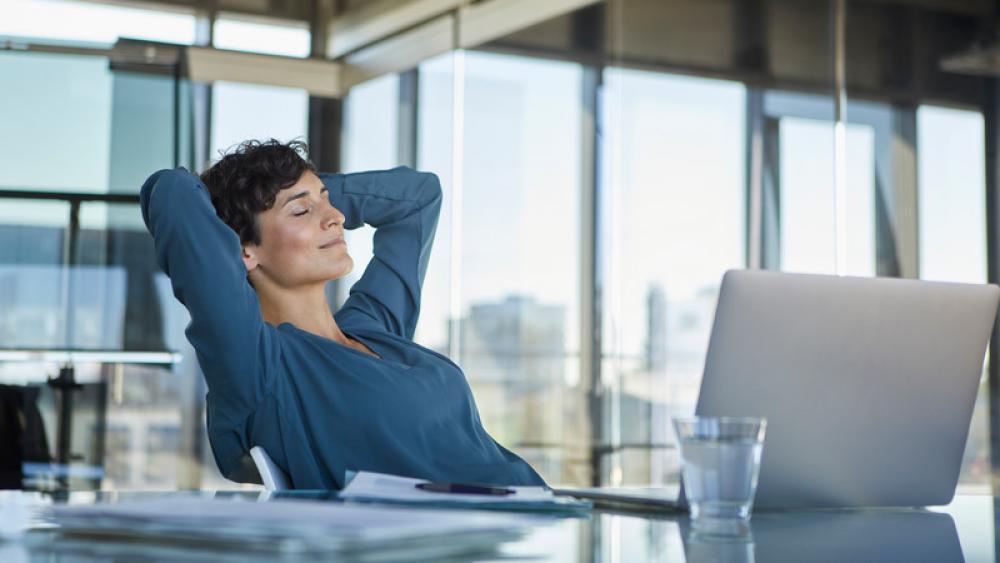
column 591, row 282
column 896, row 208
column 409, row 91
column 839, row 8
column 457, row 185
column 754, row 250
column 201, row 97
column 991, row 114
column 771, row 195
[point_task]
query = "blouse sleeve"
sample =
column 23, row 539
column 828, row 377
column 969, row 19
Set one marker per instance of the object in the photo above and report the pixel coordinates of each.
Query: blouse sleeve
column 403, row 206
column 201, row 255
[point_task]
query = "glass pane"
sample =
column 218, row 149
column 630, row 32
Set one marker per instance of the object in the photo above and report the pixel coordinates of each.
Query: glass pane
column 34, row 301
column 371, row 126
column 64, row 105
column 237, row 114
column 519, row 264
column 370, row 141
column 116, row 305
column 142, row 128
column 90, row 21
column 102, row 131
column 33, row 280
column 675, row 178
column 952, row 177
column 434, row 153
column 286, row 38
column 154, row 417
column 145, row 409
column 808, row 229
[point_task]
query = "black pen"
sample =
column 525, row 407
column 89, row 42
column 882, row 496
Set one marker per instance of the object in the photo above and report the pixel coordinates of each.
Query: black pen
column 464, row 489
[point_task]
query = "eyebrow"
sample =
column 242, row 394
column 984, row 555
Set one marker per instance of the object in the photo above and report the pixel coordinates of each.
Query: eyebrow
column 301, row 194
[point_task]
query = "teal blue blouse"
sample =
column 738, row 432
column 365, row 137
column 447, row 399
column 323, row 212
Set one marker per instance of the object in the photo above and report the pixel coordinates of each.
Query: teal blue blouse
column 318, row 407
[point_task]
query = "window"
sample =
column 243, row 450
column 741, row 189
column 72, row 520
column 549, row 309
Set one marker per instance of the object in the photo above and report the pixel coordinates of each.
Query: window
column 952, row 210
column 237, row 114
column 32, row 275
column 674, row 179
column 370, row 141
column 952, row 179
column 435, row 145
column 519, row 268
column 99, row 131
column 808, row 229
column 290, row 39
column 57, row 129
column 89, row 21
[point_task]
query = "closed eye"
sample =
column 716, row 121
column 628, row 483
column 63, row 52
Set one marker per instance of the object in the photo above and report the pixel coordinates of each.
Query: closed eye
column 322, row 192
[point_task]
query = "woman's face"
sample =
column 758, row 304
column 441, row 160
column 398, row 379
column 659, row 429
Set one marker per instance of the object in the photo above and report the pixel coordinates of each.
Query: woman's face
column 302, row 238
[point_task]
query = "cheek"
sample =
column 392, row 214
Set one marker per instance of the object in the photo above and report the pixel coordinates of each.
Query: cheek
column 294, row 240
column 287, row 246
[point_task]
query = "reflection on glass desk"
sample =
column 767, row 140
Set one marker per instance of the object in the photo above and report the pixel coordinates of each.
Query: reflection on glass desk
column 961, row 531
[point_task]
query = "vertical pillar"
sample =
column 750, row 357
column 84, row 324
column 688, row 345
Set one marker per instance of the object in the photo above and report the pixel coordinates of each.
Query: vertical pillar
column 409, row 91
column 991, row 114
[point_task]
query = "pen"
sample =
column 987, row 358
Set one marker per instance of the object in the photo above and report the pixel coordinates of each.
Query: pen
column 464, row 489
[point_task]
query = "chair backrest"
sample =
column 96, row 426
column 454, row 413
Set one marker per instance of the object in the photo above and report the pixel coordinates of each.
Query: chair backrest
column 273, row 477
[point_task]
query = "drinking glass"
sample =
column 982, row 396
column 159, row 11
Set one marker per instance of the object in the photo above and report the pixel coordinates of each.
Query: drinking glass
column 720, row 461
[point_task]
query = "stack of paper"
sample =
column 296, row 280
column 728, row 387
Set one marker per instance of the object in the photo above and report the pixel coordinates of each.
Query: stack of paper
column 294, row 527
column 369, row 486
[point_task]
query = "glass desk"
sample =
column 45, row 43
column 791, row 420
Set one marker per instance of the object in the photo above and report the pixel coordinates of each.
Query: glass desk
column 961, row 531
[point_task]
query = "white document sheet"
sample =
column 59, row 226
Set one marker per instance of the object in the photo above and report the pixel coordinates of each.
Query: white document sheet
column 286, row 525
column 372, row 486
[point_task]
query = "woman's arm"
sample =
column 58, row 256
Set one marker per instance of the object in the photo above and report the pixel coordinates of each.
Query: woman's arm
column 403, row 205
column 201, row 255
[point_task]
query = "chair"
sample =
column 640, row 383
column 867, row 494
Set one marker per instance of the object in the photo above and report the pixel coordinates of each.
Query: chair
column 273, row 477
column 25, row 459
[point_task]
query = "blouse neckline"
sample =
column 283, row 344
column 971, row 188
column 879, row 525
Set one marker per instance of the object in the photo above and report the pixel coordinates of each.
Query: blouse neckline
column 349, row 334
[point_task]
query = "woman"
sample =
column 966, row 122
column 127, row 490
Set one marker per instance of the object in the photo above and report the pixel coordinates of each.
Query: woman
column 249, row 249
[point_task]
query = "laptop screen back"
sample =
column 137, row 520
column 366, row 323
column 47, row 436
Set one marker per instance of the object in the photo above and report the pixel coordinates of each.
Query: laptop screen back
column 868, row 384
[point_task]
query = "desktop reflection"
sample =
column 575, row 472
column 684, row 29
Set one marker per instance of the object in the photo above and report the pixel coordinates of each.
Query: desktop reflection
column 876, row 535
column 842, row 535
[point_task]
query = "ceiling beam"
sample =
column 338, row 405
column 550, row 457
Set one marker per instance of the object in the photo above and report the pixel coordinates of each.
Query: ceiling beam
column 319, row 77
column 381, row 19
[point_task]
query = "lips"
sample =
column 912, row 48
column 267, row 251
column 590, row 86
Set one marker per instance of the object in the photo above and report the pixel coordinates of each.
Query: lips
column 332, row 242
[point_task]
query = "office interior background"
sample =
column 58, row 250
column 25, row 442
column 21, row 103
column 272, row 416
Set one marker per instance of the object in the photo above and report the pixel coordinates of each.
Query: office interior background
column 604, row 162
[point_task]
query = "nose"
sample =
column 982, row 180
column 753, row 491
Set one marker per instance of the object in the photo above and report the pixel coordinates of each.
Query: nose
column 333, row 218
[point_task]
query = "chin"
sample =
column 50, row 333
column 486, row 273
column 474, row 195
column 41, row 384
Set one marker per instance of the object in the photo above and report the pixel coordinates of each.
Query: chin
column 345, row 270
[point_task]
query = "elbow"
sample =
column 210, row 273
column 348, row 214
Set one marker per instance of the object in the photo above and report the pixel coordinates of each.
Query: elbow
column 155, row 182
column 166, row 176
column 421, row 188
column 431, row 191
column 146, row 194
column 428, row 182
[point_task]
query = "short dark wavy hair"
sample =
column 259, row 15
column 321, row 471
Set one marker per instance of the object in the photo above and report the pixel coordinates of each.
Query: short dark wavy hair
column 247, row 179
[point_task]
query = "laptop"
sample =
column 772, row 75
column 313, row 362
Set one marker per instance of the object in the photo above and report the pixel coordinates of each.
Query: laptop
column 867, row 384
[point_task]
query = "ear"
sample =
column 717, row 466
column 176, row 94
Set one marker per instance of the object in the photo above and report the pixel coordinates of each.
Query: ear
column 249, row 254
